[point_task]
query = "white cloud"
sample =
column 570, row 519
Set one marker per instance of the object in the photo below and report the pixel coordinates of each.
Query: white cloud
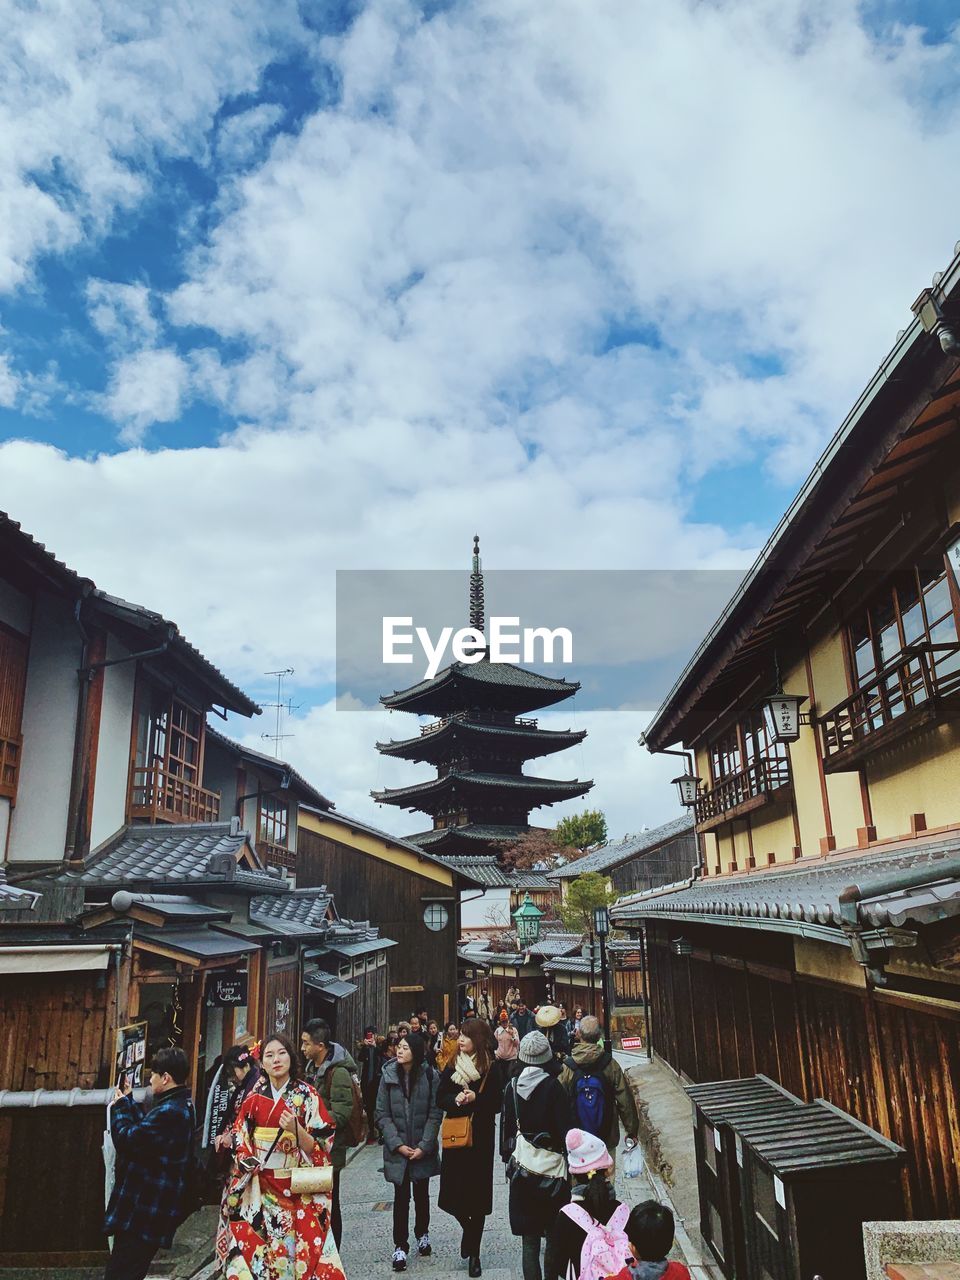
column 147, row 386
column 94, row 89
column 241, row 137
column 121, row 313
column 9, row 384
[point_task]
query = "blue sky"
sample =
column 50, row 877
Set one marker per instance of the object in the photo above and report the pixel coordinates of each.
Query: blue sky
column 336, row 286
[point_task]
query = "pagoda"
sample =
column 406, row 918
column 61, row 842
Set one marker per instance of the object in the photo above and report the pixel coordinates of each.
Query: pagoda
column 481, row 734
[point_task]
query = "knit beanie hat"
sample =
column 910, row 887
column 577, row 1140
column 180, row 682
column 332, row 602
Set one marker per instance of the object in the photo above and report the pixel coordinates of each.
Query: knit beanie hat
column 535, row 1049
column 586, row 1152
column 548, row 1015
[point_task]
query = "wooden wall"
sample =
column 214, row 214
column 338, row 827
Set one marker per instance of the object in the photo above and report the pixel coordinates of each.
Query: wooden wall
column 735, row 1007
column 667, row 864
column 282, row 1011
column 54, row 1030
column 424, row 963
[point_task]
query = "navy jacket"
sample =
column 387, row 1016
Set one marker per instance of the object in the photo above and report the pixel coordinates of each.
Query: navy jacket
column 153, row 1154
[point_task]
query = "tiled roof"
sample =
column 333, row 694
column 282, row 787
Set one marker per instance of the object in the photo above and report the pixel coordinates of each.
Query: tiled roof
column 511, row 781
column 354, row 824
column 497, row 673
column 481, row 870
column 569, row 964
column 549, row 739
column 300, row 911
column 272, row 765
column 557, row 944
column 533, row 880
column 14, row 899
column 186, row 855
column 611, row 855
column 797, row 898
column 482, row 832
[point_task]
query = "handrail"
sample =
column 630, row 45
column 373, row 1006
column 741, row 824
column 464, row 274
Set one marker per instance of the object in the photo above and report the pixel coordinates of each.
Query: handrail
column 908, row 682
column 161, row 796
column 497, row 718
column 757, row 779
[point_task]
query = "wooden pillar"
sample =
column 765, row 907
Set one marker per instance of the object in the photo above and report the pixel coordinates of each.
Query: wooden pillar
column 256, row 977
column 192, row 1022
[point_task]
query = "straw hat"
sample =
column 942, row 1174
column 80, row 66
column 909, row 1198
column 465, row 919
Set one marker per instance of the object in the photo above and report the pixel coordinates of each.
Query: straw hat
column 548, row 1015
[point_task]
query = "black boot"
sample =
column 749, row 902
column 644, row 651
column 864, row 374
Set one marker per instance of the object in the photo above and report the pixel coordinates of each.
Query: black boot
column 474, row 1268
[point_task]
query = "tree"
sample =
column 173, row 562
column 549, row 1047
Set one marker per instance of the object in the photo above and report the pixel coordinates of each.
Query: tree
column 586, row 892
column 582, row 831
column 536, row 850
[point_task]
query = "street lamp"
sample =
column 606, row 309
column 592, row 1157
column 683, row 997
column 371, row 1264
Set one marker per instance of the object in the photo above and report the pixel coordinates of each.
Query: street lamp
column 601, row 927
column 527, row 919
column 929, row 312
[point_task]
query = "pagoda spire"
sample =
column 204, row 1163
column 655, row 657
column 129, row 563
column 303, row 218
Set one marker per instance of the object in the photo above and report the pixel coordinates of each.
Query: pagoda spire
column 476, row 588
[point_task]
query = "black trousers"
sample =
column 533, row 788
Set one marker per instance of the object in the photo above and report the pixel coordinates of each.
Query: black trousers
column 472, row 1228
column 130, row 1259
column 369, row 1092
column 401, row 1210
column 336, row 1220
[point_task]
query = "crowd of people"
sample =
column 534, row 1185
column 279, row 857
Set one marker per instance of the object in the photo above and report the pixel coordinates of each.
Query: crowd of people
column 281, row 1118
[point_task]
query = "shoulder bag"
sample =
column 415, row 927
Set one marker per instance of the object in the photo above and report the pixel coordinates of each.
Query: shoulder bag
column 456, row 1132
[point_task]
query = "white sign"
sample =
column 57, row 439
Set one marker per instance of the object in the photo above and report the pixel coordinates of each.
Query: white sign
column 779, row 1192
column 953, row 555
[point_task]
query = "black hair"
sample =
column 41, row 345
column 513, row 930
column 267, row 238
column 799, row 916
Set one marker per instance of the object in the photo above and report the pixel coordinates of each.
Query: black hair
column 318, row 1029
column 296, row 1066
column 599, row 1197
column 367, row 1031
column 171, row 1062
column 650, row 1230
column 238, row 1055
column 418, row 1048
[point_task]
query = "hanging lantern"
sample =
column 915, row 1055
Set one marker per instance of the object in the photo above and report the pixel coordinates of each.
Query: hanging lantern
column 781, row 715
column 687, row 785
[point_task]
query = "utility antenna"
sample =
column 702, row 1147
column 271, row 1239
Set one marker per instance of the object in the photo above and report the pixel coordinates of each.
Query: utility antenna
column 282, row 708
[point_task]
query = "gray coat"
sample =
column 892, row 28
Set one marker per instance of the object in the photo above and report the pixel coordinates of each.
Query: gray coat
column 410, row 1122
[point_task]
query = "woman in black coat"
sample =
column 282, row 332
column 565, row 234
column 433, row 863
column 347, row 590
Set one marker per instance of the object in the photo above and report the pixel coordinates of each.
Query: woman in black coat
column 471, row 1086
column 408, row 1117
column 534, row 1125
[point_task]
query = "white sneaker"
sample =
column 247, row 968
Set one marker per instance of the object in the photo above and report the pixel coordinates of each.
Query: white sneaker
column 423, row 1246
column 399, row 1260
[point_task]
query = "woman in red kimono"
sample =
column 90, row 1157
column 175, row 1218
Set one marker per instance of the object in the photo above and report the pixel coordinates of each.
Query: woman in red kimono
column 271, row 1233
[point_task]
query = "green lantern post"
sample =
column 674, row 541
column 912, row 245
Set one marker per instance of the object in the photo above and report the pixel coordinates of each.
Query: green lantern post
column 526, row 919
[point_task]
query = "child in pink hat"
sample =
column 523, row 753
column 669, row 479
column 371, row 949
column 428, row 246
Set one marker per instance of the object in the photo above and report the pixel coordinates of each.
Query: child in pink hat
column 588, row 1238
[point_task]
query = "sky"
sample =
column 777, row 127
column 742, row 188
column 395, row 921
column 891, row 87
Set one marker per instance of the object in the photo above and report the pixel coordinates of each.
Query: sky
column 289, row 289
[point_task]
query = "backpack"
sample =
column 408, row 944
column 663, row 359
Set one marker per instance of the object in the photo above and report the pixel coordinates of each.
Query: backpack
column 357, row 1126
column 591, row 1098
column 606, row 1248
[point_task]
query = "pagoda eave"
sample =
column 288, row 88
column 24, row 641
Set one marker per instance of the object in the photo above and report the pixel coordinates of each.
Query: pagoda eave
column 496, row 686
column 523, row 790
column 515, row 743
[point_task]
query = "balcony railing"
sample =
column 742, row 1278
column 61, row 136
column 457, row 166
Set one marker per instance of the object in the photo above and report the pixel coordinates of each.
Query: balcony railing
column 500, row 718
column 161, row 796
column 741, row 792
column 919, row 685
column 10, row 750
column 277, row 855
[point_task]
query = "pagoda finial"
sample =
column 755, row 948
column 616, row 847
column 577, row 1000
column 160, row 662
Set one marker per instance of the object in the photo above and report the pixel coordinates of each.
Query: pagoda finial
column 476, row 588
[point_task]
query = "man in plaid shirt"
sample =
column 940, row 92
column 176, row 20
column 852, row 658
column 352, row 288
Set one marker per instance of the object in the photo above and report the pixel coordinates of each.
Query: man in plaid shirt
column 153, row 1157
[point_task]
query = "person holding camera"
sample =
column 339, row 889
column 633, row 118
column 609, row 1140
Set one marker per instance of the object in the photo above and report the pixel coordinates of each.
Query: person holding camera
column 154, row 1150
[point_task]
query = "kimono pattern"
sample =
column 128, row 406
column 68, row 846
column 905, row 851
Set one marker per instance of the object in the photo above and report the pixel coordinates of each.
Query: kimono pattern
column 269, row 1233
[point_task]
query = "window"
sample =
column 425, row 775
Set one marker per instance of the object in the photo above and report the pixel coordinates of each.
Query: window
column 186, row 737
column 725, row 755
column 435, row 917
column 765, row 1199
column 273, row 821
column 709, row 1139
column 914, row 608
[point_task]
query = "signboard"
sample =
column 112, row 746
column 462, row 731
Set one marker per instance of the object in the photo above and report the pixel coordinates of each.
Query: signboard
column 226, row 989
column 131, row 1055
column 631, row 1042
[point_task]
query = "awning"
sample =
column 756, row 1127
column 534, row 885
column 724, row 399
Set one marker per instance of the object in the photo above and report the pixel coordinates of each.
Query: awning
column 193, row 945
column 57, row 959
column 329, row 985
column 351, row 949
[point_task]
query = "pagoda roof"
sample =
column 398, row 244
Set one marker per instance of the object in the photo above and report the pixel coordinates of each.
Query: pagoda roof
column 492, row 684
column 552, row 789
column 526, row 738
column 444, row 842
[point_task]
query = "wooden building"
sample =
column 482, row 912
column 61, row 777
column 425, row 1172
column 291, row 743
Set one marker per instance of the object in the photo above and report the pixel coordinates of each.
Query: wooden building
column 663, row 855
column 821, row 945
column 480, row 799
column 413, row 897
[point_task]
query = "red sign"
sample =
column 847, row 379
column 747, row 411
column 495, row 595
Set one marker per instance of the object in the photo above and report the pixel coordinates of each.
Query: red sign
column 631, row 1042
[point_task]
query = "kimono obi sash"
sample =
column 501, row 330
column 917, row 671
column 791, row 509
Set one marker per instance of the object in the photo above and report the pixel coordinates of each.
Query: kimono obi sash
column 285, row 1155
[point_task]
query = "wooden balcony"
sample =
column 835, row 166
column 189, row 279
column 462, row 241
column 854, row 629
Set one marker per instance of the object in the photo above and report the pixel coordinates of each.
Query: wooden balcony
column 501, row 718
column 911, row 690
column 741, row 793
column 277, row 855
column 10, row 752
column 160, row 796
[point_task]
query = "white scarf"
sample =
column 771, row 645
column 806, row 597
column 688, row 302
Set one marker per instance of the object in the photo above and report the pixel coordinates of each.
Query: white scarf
column 465, row 1073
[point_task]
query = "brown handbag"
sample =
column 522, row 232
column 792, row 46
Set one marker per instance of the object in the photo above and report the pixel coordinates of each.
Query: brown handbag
column 456, row 1132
